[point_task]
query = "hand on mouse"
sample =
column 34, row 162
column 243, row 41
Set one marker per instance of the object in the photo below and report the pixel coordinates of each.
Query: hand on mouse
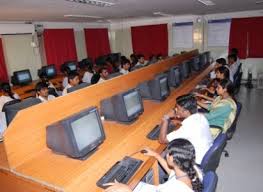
column 150, row 152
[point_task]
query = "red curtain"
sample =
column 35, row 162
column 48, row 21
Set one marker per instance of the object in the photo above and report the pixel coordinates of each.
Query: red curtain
column 97, row 42
column 246, row 36
column 59, row 46
column 3, row 71
column 149, row 40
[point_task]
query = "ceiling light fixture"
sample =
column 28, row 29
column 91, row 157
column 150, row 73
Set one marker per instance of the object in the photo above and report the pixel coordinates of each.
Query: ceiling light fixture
column 83, row 16
column 207, row 2
column 259, row 2
column 98, row 3
column 162, row 14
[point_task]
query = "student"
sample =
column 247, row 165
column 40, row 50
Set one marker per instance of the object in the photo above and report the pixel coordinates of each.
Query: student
column 88, row 74
column 51, row 88
column 134, row 60
column 232, row 62
column 234, row 51
column 42, row 92
column 223, row 73
column 65, row 71
column 141, row 61
column 184, row 175
column 195, row 126
column 219, row 63
column 73, row 80
column 159, row 57
column 125, row 66
column 222, row 110
column 109, row 65
column 103, row 74
column 7, row 96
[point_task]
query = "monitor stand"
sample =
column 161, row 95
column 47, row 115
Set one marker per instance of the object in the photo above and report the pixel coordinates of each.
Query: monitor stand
column 88, row 155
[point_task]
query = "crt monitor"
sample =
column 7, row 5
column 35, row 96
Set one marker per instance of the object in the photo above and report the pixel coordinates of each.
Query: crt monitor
column 77, row 87
column 22, row 77
column 185, row 70
column 195, row 64
column 159, row 87
column 71, row 65
column 174, row 78
column 115, row 57
column 50, row 71
column 12, row 110
column 112, row 75
column 76, row 136
column 202, row 59
column 124, row 107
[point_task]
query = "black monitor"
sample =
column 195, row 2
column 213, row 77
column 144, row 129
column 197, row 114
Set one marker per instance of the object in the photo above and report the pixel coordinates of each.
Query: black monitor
column 72, row 65
column 112, row 75
column 115, row 57
column 22, row 77
column 207, row 57
column 174, row 78
column 12, row 110
column 155, row 89
column 202, row 59
column 101, row 60
column 185, row 69
column 49, row 71
column 76, row 136
column 77, row 87
column 195, row 64
column 124, row 107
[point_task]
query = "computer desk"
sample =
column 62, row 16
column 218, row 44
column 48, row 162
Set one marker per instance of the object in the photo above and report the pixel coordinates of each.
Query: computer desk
column 26, row 164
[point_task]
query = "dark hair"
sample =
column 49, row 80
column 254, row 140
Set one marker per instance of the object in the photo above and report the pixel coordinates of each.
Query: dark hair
column 95, row 78
column 224, row 70
column 140, row 56
column 188, row 102
column 228, row 85
column 72, row 75
column 6, row 88
column 183, row 154
column 123, row 58
column 234, row 51
column 232, row 56
column 123, row 62
column 101, row 69
column 40, row 85
column 221, row 61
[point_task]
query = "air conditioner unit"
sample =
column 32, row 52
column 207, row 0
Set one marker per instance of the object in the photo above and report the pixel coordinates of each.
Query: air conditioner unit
column 39, row 29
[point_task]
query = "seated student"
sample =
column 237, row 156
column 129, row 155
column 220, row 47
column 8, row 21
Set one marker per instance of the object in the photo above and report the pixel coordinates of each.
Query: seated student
column 103, row 74
column 42, row 92
column 66, row 72
column 219, row 63
column 223, row 73
column 73, row 80
column 51, row 88
column 159, row 57
column 141, row 61
column 234, row 51
column 88, row 74
column 7, row 96
column 125, row 66
column 232, row 63
column 195, row 127
column 109, row 65
column 134, row 60
column 222, row 110
column 184, row 175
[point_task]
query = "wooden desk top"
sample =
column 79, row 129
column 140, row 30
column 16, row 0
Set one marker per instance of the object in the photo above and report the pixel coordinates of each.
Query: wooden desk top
column 121, row 140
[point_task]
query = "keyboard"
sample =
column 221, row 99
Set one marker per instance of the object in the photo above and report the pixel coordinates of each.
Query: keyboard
column 122, row 171
column 155, row 132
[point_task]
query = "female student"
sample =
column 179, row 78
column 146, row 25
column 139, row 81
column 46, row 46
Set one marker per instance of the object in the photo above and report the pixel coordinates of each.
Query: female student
column 184, row 175
column 7, row 96
column 222, row 110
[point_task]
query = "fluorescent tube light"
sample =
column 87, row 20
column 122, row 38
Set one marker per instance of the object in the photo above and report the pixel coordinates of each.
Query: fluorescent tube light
column 207, row 2
column 99, row 3
column 83, row 16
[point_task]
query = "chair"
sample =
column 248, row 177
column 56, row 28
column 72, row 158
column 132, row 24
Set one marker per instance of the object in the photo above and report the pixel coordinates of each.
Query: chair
column 14, row 101
column 212, row 157
column 230, row 132
column 210, row 182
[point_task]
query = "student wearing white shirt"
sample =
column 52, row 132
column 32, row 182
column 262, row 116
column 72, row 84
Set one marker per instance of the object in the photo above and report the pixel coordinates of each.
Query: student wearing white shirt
column 7, row 96
column 88, row 75
column 235, row 52
column 125, row 66
column 219, row 62
column 73, row 80
column 232, row 62
column 223, row 72
column 66, row 72
column 141, row 61
column 184, row 175
column 195, row 126
column 103, row 75
column 42, row 92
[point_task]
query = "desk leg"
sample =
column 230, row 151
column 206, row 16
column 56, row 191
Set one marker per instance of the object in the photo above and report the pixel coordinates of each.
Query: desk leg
column 155, row 173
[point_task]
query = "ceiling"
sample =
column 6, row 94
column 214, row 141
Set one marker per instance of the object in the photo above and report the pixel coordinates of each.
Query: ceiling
column 54, row 10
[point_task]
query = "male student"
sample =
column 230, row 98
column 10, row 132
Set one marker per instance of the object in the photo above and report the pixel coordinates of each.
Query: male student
column 125, row 66
column 141, row 61
column 42, row 92
column 232, row 62
column 103, row 74
column 235, row 52
column 73, row 80
column 194, row 127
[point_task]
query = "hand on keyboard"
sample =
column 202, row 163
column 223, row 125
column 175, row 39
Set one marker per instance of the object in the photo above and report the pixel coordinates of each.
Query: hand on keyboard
column 117, row 187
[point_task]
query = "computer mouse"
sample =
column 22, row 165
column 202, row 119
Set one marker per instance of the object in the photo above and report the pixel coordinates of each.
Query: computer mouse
column 143, row 151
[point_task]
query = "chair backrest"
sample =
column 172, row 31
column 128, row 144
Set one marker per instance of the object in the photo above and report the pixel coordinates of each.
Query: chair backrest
column 230, row 132
column 212, row 157
column 210, row 182
column 14, row 101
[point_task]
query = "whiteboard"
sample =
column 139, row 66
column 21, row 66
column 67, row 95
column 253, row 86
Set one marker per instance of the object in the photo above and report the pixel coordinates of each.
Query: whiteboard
column 218, row 33
column 183, row 36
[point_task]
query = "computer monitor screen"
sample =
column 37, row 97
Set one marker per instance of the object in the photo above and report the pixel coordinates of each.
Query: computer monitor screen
column 132, row 103
column 72, row 67
column 86, row 130
column 163, row 86
column 23, row 77
column 78, row 135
